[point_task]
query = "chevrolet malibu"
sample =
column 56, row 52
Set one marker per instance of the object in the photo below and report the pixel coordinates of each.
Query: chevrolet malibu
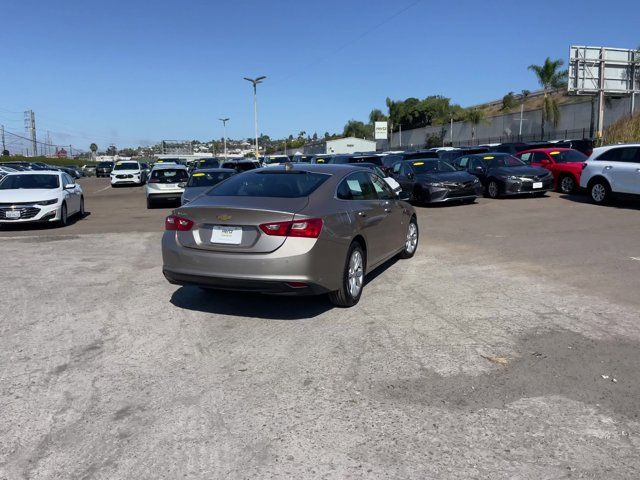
column 39, row 196
column 303, row 229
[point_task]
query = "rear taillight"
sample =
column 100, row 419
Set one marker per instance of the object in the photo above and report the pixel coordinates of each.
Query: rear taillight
column 173, row 223
column 307, row 228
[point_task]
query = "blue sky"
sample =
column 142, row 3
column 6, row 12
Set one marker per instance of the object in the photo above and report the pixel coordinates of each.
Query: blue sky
column 133, row 72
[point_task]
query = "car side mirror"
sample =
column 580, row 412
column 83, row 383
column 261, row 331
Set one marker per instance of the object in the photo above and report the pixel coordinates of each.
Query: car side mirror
column 402, row 195
column 182, row 185
column 410, row 176
column 70, row 186
column 480, row 169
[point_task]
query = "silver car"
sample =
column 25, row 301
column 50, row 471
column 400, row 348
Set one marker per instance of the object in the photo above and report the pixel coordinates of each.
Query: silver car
column 303, row 229
column 166, row 183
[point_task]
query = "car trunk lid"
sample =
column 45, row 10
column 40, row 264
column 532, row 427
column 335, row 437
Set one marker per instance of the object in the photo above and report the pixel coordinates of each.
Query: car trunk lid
column 232, row 224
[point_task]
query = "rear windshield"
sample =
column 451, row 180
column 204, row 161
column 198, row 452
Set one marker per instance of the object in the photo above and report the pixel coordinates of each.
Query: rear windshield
column 30, row 182
column 169, row 175
column 105, row 164
column 270, row 184
column 268, row 160
column 127, row 166
column 564, row 156
column 208, row 163
column 207, row 179
column 240, row 166
column 374, row 160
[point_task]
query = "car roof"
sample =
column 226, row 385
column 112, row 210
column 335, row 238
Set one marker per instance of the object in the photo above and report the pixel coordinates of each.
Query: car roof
column 546, row 150
column 37, row 172
column 598, row 150
column 330, row 168
column 166, row 166
column 214, row 170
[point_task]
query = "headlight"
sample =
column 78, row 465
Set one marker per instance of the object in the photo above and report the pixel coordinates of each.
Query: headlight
column 509, row 177
column 475, row 180
column 53, row 201
column 435, row 184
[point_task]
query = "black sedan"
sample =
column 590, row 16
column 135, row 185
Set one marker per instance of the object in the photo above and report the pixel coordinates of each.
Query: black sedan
column 502, row 174
column 104, row 169
column 430, row 180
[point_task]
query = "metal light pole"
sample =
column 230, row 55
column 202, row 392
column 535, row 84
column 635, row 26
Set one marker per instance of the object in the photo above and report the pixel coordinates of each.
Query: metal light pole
column 255, row 82
column 224, row 130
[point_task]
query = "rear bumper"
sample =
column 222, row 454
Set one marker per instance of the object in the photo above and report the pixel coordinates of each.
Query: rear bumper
column 164, row 195
column 242, row 285
column 317, row 263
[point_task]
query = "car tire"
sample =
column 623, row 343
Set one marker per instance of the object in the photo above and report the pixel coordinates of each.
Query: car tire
column 411, row 243
column 493, row 189
column 64, row 215
column 566, row 184
column 352, row 278
column 81, row 212
column 600, row 191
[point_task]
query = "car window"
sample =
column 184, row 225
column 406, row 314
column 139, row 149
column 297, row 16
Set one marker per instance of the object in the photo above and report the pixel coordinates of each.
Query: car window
column 67, row 179
column 127, row 166
column 525, row 157
column 405, row 170
column 564, row 156
column 538, row 157
column 396, row 168
column 169, row 175
column 462, row 162
column 475, row 163
column 277, row 184
column 625, row 154
column 357, row 186
column 382, row 189
column 207, row 179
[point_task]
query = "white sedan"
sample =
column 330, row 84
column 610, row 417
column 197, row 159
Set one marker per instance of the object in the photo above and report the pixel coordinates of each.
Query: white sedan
column 39, row 196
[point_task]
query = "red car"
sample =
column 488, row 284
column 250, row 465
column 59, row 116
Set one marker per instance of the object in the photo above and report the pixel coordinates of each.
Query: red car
column 564, row 163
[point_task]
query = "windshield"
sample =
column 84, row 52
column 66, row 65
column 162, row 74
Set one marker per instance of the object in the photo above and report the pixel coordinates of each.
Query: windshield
column 18, row 181
column 269, row 160
column 208, row 163
column 207, row 179
column 105, row 165
column 566, row 156
column 127, row 166
column 431, row 166
column 169, row 175
column 500, row 161
column 270, row 184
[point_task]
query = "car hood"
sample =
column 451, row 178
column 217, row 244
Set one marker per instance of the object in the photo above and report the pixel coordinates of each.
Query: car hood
column 192, row 192
column 516, row 171
column 445, row 177
column 23, row 195
column 125, row 172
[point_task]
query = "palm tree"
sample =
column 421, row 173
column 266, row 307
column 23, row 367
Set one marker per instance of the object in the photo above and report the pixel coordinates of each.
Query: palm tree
column 94, row 148
column 475, row 117
column 550, row 78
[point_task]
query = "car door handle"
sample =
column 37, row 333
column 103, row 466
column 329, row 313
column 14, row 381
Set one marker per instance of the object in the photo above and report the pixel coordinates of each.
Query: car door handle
column 608, row 167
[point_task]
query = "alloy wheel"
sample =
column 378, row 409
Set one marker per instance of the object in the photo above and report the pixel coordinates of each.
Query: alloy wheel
column 493, row 189
column 412, row 238
column 567, row 185
column 598, row 192
column 355, row 274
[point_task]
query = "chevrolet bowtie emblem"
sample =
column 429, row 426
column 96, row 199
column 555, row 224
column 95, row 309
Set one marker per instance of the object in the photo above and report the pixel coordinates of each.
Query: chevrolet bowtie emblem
column 224, row 218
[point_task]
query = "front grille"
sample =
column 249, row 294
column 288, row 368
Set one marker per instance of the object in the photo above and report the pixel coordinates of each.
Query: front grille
column 124, row 176
column 25, row 213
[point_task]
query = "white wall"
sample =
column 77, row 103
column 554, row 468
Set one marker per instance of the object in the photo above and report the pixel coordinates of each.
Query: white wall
column 350, row 145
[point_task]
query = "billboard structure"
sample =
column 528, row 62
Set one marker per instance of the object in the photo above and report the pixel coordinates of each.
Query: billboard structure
column 178, row 147
column 381, row 130
column 604, row 71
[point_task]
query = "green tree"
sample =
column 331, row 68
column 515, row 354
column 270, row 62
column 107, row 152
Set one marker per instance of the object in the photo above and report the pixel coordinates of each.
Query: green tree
column 356, row 128
column 550, row 77
column 475, row 117
column 112, row 150
column 5, row 153
column 508, row 101
column 376, row 115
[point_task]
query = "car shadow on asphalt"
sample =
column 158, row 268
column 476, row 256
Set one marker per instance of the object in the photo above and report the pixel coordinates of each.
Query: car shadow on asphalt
column 256, row 305
column 620, row 202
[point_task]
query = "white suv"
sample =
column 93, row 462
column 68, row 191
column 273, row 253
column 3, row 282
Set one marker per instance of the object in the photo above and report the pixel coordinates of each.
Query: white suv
column 612, row 170
column 166, row 182
column 127, row 172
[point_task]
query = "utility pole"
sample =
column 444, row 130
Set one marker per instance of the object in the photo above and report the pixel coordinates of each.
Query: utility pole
column 255, row 82
column 2, row 128
column 30, row 126
column 401, row 136
column 224, row 130
column 70, row 151
column 451, row 130
column 601, row 97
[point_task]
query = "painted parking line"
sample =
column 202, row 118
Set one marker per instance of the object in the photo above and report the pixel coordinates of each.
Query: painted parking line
column 103, row 189
column 637, row 259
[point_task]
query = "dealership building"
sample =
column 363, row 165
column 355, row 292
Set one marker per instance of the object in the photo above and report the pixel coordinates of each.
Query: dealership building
column 340, row 145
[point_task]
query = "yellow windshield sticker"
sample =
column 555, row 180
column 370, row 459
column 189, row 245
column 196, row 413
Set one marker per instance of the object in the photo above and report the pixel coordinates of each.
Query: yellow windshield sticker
column 320, row 160
column 555, row 153
column 417, row 164
column 489, row 158
column 198, row 174
column 119, row 163
column 160, row 161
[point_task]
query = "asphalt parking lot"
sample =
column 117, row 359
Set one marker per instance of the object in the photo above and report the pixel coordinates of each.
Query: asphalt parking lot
column 508, row 347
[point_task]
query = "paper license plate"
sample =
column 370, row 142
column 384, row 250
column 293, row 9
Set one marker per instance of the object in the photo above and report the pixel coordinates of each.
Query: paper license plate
column 228, row 235
column 537, row 184
column 12, row 213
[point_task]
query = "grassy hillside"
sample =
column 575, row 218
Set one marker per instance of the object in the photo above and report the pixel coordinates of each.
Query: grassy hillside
column 625, row 130
column 533, row 102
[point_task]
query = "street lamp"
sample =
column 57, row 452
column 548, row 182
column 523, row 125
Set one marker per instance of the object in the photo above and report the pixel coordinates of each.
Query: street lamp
column 255, row 82
column 224, row 138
